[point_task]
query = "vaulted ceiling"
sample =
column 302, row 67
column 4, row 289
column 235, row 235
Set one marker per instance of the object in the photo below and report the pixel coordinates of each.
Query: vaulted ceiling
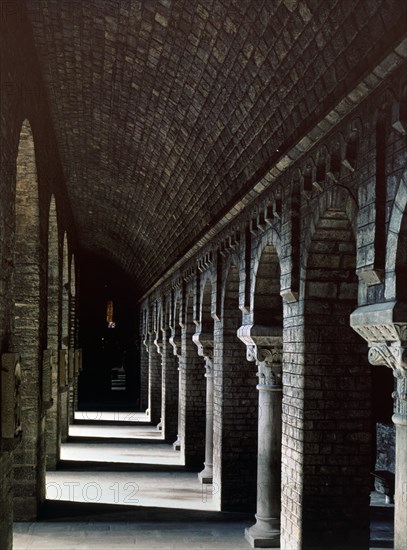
column 167, row 111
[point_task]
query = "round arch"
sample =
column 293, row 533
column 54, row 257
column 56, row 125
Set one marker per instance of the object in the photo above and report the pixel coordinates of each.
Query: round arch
column 335, row 372
column 266, row 255
column 396, row 262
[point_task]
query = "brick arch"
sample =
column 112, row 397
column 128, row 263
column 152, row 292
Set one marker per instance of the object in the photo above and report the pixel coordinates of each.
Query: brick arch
column 396, row 262
column 336, row 372
column 26, row 339
column 232, row 264
column 266, row 255
column 166, row 309
column 337, row 198
column 207, row 284
column 175, row 321
column 205, row 316
column 235, row 425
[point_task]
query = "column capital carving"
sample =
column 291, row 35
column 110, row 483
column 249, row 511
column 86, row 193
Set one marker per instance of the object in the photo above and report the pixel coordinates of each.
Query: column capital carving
column 204, row 343
column 264, row 346
column 391, row 355
column 146, row 341
column 175, row 342
column 158, row 342
column 384, row 327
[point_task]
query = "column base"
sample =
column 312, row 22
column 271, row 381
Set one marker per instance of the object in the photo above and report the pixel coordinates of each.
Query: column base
column 206, row 476
column 177, row 444
column 264, row 534
column 159, row 426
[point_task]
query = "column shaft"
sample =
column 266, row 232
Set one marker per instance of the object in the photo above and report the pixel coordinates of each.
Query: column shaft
column 266, row 532
column 206, row 475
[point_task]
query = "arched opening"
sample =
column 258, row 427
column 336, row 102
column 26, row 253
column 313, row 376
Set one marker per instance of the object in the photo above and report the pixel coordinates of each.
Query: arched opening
column 52, row 424
column 143, row 399
column 337, row 395
column 193, row 393
column 175, row 342
column 401, row 262
column 154, row 367
column 235, row 408
column 268, row 307
column 29, row 457
column 206, row 317
column 204, row 338
column 266, row 347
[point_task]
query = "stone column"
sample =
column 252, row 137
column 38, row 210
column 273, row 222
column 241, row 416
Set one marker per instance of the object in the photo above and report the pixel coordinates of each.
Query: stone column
column 158, row 342
column 400, row 420
column 144, row 374
column 154, row 381
column 175, row 341
column 204, row 343
column 384, row 327
column 264, row 346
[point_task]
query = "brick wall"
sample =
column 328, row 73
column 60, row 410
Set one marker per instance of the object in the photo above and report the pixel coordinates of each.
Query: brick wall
column 323, row 219
column 154, row 381
column 169, row 390
column 235, row 409
column 193, row 392
column 23, row 98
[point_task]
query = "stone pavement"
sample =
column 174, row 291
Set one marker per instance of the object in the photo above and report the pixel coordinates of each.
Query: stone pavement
column 109, row 496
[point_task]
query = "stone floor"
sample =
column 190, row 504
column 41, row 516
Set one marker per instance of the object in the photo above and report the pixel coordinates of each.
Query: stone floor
column 92, row 505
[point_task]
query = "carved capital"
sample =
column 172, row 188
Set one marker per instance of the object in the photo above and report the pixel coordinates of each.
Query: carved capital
column 269, row 374
column 204, row 344
column 384, row 327
column 158, row 342
column 175, row 342
column 391, row 355
column 145, row 341
column 264, row 346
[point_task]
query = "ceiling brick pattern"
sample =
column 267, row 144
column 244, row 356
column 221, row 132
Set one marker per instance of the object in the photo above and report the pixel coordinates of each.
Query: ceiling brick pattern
column 167, row 111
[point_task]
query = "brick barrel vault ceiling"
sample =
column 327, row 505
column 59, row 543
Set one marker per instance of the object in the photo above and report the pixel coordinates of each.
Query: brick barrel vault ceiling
column 166, row 110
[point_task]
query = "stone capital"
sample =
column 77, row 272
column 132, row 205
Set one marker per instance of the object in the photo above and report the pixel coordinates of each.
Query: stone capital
column 158, row 342
column 264, row 346
column 145, row 341
column 204, row 343
column 175, row 342
column 384, row 327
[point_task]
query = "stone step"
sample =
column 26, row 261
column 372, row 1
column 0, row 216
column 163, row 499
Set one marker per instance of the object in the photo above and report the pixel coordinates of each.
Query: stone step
column 113, row 440
column 109, row 466
column 101, row 422
column 99, row 512
column 115, row 417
